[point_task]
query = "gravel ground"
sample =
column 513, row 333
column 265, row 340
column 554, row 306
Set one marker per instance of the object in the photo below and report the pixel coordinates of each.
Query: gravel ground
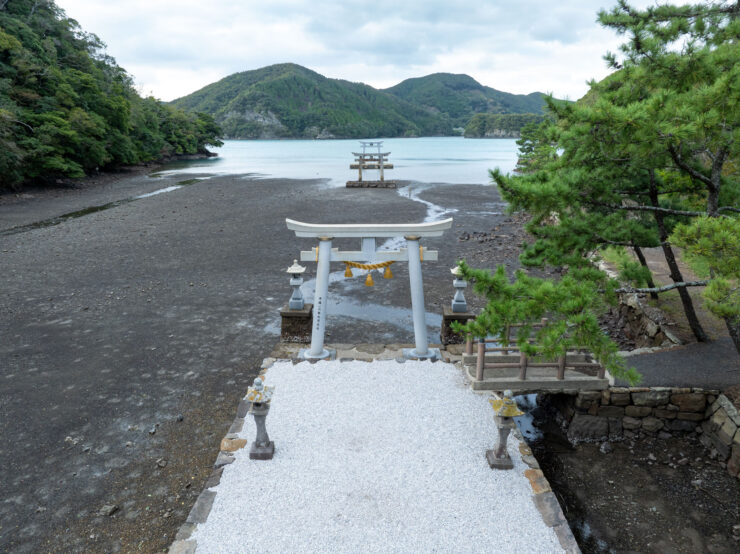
column 130, row 333
column 374, row 457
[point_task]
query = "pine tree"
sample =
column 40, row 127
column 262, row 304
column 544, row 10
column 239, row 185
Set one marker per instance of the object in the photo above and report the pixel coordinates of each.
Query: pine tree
column 649, row 147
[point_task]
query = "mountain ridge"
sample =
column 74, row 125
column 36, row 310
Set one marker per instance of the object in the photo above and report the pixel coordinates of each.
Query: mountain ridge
column 291, row 101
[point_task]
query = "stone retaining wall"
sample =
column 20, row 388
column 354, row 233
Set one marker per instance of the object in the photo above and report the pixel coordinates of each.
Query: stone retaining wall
column 646, row 325
column 721, row 432
column 620, row 412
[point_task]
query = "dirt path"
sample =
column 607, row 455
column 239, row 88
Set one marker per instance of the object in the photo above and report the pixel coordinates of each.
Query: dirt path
column 670, row 302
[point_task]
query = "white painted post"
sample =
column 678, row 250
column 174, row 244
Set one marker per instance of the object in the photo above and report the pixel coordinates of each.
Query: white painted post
column 417, row 297
column 319, row 306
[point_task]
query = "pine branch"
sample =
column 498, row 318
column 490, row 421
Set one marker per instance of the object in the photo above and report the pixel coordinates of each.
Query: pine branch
column 643, row 208
column 679, row 161
column 666, row 287
column 728, row 209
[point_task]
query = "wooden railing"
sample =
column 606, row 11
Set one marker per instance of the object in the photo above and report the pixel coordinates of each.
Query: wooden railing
column 524, row 362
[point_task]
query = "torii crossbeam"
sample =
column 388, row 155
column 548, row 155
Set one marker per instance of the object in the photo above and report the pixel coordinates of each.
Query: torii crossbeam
column 368, row 253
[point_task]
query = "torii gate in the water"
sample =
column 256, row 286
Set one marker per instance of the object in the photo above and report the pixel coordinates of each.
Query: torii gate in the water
column 369, row 254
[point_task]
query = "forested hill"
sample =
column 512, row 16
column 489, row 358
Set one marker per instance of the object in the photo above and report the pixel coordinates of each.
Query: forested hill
column 291, row 101
column 67, row 109
column 461, row 96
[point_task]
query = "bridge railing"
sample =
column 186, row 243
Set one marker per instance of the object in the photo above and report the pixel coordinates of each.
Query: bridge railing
column 578, row 359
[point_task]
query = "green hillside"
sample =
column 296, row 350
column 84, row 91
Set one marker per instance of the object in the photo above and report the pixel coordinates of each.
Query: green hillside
column 461, row 96
column 290, row 101
column 67, row 109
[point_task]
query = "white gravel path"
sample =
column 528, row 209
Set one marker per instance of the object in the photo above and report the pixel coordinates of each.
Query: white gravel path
column 374, row 457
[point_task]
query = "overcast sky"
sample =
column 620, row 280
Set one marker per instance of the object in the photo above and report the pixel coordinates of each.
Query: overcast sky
column 173, row 48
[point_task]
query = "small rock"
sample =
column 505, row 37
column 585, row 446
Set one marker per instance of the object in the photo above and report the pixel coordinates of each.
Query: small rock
column 652, row 457
column 180, row 417
column 108, row 510
column 129, row 444
column 696, row 483
column 40, row 509
column 664, row 435
column 161, row 462
column 605, row 448
column 86, row 448
column 683, row 461
column 153, row 429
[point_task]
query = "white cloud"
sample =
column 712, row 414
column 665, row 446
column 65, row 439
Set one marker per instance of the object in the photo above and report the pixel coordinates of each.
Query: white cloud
column 173, row 48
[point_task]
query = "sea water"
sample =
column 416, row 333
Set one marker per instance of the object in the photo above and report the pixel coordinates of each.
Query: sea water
column 429, row 159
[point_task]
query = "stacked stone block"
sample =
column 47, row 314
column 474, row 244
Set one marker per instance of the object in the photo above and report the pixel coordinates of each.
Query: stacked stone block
column 721, row 432
column 621, row 412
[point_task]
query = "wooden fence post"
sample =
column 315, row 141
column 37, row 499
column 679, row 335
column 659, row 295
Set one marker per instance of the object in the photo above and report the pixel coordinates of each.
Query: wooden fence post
column 522, row 366
column 481, row 359
column 561, row 367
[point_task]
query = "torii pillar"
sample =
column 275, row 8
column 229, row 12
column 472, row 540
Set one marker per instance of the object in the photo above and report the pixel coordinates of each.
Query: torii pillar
column 324, row 255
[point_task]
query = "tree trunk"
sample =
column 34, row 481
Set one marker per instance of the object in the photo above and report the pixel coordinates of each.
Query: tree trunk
column 643, row 263
column 733, row 326
column 670, row 258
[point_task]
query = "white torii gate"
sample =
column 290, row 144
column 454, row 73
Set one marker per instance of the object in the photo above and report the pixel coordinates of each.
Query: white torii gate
column 325, row 254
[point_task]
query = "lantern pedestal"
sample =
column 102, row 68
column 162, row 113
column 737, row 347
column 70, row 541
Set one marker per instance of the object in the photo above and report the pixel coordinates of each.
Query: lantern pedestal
column 262, row 447
column 448, row 316
column 295, row 325
column 499, row 458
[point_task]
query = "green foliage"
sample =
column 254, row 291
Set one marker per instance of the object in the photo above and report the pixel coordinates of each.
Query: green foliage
column 629, row 270
column 714, row 243
column 488, row 124
column 536, row 146
column 67, row 109
column 290, row 101
column 570, row 304
column 648, row 148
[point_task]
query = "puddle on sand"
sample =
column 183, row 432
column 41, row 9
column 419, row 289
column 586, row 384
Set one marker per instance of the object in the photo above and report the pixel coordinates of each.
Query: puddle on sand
column 342, row 306
column 92, row 209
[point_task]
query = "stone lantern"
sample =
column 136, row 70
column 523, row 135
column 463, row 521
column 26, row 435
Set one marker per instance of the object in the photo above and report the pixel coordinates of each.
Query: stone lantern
column 296, row 280
column 260, row 396
column 459, row 304
column 505, row 410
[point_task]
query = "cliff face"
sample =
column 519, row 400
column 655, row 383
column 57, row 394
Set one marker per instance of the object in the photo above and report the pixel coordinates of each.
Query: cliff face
column 501, row 133
column 499, row 125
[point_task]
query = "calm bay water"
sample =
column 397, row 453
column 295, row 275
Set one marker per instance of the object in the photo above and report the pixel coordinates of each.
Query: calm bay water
column 429, row 159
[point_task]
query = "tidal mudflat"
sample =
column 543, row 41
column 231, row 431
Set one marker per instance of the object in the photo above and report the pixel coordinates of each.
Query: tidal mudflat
column 130, row 333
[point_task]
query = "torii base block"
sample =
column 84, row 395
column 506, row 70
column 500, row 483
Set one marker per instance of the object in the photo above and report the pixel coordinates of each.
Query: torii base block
column 432, row 354
column 371, row 184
